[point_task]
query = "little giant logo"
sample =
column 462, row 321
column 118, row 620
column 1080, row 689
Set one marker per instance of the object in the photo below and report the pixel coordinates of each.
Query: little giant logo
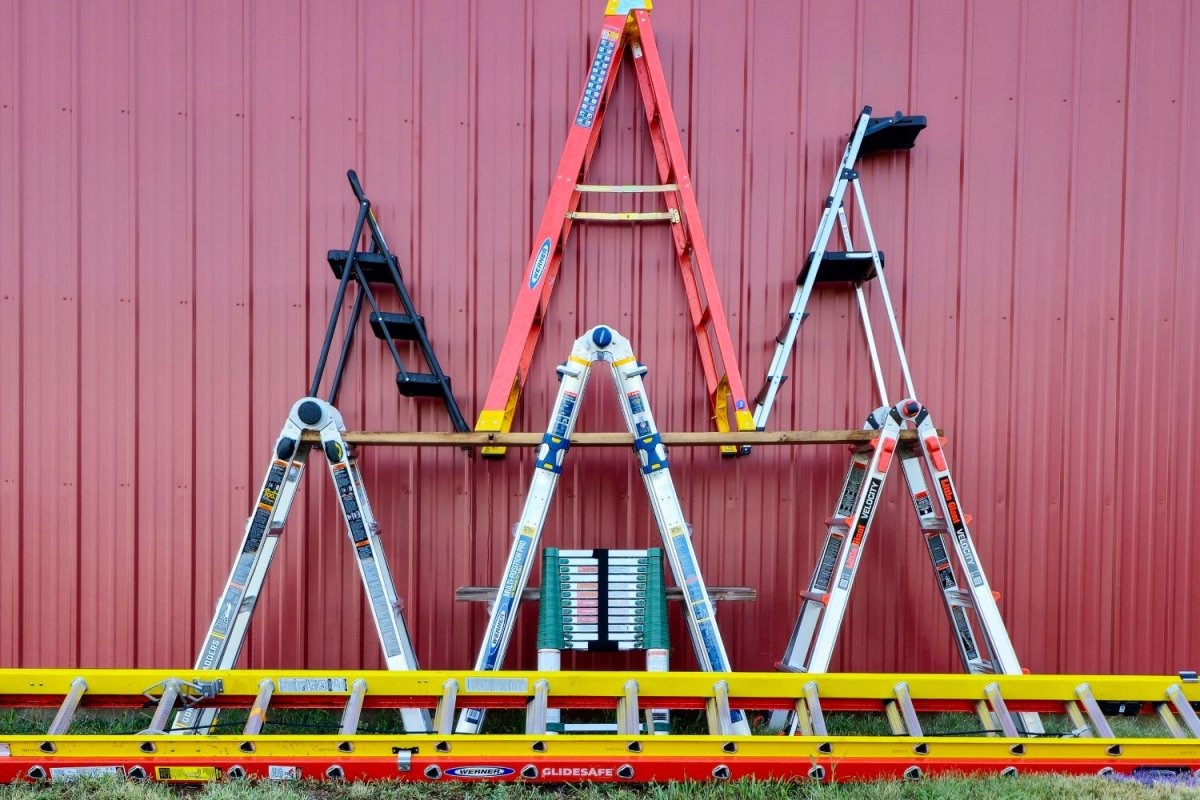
column 539, row 264
column 479, row 772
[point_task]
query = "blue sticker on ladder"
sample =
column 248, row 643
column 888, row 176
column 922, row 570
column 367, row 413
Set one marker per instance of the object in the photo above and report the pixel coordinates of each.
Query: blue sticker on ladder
column 539, row 264
column 596, row 78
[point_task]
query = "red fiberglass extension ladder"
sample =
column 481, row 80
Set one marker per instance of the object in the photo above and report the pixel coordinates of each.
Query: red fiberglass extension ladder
column 626, row 27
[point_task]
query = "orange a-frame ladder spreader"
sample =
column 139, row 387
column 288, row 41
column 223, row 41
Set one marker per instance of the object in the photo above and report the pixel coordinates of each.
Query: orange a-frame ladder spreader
column 626, row 27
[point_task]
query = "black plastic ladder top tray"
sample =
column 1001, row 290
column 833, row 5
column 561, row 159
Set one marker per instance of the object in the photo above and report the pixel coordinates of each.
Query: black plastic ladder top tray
column 856, row 266
column 897, row 132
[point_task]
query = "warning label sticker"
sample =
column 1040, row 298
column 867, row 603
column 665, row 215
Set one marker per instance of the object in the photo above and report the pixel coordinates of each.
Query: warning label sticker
column 187, row 774
column 313, row 685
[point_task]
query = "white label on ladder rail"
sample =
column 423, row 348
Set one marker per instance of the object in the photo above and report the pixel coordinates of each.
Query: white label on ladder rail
column 306, row 685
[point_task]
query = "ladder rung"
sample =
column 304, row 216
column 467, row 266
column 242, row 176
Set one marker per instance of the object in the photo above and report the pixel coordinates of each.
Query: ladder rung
column 957, row 597
column 420, row 384
column 374, row 266
column 837, row 522
column 625, row 216
column 629, row 188
column 761, row 397
column 934, row 525
column 816, row 597
column 856, row 266
column 396, row 326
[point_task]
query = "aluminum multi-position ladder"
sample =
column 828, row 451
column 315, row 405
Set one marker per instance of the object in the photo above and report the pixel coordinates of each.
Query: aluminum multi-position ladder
column 379, row 266
column 235, row 605
column 968, row 598
column 966, row 594
column 626, row 28
column 870, row 135
column 601, row 343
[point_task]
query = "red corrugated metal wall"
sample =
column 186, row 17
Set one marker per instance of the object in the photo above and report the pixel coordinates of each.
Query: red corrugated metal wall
column 171, row 174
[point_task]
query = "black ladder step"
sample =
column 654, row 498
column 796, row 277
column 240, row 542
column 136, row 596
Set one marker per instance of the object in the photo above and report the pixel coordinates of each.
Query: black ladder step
column 396, row 326
column 898, row 132
column 420, row 384
column 855, row 266
column 374, row 265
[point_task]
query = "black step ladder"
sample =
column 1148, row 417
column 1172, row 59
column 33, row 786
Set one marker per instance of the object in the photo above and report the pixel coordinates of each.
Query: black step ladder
column 379, row 266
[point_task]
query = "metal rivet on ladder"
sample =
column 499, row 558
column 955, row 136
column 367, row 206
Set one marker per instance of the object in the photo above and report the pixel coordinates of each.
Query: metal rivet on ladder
column 1009, row 772
column 147, row 747
column 634, row 747
column 921, row 748
column 47, row 747
column 1106, row 772
column 246, row 747
column 729, row 747
column 237, row 772
column 529, row 772
column 625, row 771
column 825, row 748
column 1017, row 749
column 913, row 773
column 137, row 773
column 442, row 747
column 37, row 773
column 721, row 772
column 1114, row 750
column 345, row 746
column 538, row 746
column 433, row 772
column 335, row 773
column 816, row 772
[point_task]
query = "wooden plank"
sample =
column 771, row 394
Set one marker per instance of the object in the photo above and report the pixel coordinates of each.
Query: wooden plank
column 613, row 439
column 482, row 594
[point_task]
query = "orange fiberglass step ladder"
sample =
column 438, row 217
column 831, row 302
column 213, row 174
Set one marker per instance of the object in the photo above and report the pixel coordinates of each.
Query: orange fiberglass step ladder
column 626, row 28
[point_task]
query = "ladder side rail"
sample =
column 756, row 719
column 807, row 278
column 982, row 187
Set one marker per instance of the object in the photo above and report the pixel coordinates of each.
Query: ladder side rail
column 364, row 207
column 999, row 645
column 662, row 158
column 687, row 194
column 335, row 387
column 965, row 638
column 431, row 360
column 668, row 513
column 783, row 350
column 886, row 295
column 538, row 276
column 862, row 517
column 527, row 532
column 987, row 612
column 226, row 634
column 863, row 314
column 361, row 528
column 812, row 603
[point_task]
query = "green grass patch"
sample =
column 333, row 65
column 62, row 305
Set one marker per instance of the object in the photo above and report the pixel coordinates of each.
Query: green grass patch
column 1049, row 787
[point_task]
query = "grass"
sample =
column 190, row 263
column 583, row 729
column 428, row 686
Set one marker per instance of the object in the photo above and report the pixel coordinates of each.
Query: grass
column 1054, row 786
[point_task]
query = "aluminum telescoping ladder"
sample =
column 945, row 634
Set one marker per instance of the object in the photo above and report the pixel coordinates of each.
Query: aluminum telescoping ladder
column 626, row 28
column 601, row 343
column 870, row 135
column 235, row 605
column 966, row 594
